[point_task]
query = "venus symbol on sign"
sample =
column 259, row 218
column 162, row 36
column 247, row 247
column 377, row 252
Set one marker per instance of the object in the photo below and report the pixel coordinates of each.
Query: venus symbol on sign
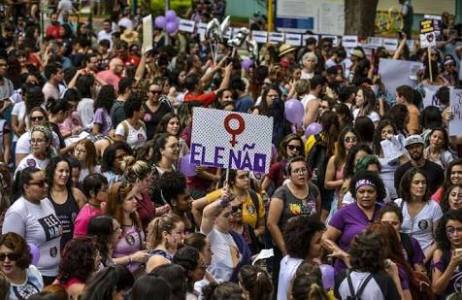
column 237, row 130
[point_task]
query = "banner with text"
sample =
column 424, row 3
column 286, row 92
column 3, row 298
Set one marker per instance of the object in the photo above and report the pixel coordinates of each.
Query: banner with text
column 224, row 139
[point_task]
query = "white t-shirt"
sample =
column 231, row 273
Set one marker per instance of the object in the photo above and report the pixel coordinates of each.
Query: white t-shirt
column 38, row 225
column 421, row 227
column 289, row 266
column 63, row 6
column 221, row 266
column 135, row 138
column 372, row 115
column 23, row 144
column 32, row 285
column 19, row 110
column 103, row 35
column 85, row 111
column 50, row 91
column 31, row 161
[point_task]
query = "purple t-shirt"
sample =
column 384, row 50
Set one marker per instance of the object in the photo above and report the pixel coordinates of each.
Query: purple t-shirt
column 403, row 278
column 350, row 220
column 103, row 119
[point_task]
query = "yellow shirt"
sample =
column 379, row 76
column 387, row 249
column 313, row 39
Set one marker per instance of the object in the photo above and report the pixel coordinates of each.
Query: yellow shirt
column 249, row 211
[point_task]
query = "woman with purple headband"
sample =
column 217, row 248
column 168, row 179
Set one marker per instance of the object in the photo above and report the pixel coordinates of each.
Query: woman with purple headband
column 368, row 190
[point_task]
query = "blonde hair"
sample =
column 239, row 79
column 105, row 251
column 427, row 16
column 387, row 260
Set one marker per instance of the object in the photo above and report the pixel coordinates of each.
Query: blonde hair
column 157, row 226
column 134, row 169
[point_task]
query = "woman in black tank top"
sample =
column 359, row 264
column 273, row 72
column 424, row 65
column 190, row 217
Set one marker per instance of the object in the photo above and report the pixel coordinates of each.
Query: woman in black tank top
column 63, row 196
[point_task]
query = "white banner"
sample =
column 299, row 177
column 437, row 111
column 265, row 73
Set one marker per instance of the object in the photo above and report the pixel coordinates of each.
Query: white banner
column 455, row 124
column 350, row 41
column 294, row 39
column 260, row 36
column 187, row 25
column 276, row 37
column 231, row 140
column 390, row 44
column 398, row 72
column 147, row 34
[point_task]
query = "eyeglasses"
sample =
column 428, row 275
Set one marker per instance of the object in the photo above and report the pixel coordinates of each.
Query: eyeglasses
column 155, row 91
column 40, row 118
column 11, row 256
column 293, row 147
column 41, row 183
column 350, row 139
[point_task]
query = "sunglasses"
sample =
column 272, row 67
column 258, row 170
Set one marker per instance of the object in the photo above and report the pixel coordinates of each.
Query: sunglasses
column 235, row 209
column 155, row 91
column 41, row 183
column 11, row 256
column 37, row 118
column 350, row 139
column 293, row 147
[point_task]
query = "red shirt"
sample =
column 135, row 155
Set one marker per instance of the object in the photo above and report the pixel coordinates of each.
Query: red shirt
column 205, row 99
column 53, row 31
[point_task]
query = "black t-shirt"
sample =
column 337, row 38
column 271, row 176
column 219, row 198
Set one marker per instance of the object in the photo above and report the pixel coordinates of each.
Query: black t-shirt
column 154, row 118
column 435, row 174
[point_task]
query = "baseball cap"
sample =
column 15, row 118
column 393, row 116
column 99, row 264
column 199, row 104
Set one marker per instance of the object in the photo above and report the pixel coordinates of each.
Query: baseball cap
column 413, row 139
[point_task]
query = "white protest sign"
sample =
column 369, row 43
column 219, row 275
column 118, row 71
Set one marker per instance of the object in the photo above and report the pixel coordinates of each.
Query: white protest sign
column 231, row 140
column 455, row 124
column 428, row 40
column 390, row 44
column 374, row 42
column 147, row 34
column 294, row 39
column 201, row 29
column 398, row 72
column 187, row 25
column 260, row 36
column 350, row 41
column 430, row 99
column 276, row 37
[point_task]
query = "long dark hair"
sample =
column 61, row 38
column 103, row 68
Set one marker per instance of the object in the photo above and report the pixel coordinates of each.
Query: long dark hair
column 376, row 146
column 50, row 172
column 107, row 281
column 101, row 228
column 105, row 98
column 441, row 235
column 405, row 184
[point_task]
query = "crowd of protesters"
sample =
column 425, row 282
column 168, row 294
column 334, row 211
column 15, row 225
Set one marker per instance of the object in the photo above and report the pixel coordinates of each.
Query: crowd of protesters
column 94, row 204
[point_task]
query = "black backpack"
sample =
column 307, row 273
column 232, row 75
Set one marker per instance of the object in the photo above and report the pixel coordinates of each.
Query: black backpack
column 357, row 295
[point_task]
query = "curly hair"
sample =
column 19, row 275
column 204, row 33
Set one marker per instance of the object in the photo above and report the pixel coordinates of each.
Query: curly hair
column 372, row 177
column 444, row 203
column 348, row 170
column 19, row 246
column 78, row 260
column 172, row 184
column 366, row 253
column 441, row 237
column 298, row 234
column 109, row 155
column 405, row 184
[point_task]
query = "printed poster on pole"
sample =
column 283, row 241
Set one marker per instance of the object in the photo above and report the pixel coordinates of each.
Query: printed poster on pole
column 231, row 140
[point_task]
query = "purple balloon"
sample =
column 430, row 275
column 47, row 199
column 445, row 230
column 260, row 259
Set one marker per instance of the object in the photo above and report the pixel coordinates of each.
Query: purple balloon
column 160, row 22
column 312, row 129
column 246, row 63
column 35, row 252
column 186, row 167
column 327, row 272
column 294, row 111
column 171, row 27
column 170, row 15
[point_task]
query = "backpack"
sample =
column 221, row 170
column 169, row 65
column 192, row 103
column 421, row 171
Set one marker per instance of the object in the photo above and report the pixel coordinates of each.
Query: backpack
column 357, row 295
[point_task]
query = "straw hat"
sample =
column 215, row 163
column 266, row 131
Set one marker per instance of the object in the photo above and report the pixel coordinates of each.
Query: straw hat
column 285, row 49
column 129, row 36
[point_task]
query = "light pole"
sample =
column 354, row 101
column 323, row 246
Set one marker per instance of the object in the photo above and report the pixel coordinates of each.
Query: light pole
column 167, row 7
